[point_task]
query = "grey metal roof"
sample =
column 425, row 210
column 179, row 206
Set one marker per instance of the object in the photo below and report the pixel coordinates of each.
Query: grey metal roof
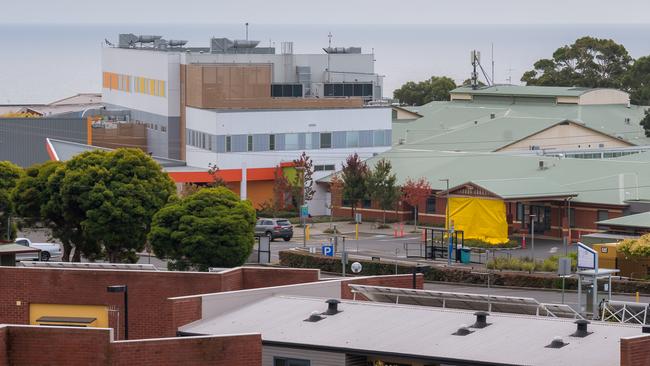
column 640, row 220
column 16, row 248
column 520, row 90
column 420, row 331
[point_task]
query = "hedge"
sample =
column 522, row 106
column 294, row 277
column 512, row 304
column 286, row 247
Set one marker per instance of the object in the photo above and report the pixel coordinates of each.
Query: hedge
column 299, row 259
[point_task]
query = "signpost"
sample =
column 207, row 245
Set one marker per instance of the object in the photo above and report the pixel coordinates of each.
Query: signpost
column 304, row 212
column 564, row 270
column 588, row 259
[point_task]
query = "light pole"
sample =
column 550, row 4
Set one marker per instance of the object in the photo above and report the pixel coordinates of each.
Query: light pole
column 449, row 229
column 532, row 238
column 124, row 289
column 301, row 169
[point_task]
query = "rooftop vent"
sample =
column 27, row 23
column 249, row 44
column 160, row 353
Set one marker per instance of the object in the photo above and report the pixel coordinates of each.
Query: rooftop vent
column 581, row 330
column 481, row 319
column 557, row 342
column 332, row 307
column 314, row 317
column 463, row 330
column 493, row 116
column 627, row 120
column 542, row 165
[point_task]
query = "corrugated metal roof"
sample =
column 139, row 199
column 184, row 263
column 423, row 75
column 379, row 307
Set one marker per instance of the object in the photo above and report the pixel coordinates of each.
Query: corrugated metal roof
column 420, row 331
column 641, row 220
column 520, row 90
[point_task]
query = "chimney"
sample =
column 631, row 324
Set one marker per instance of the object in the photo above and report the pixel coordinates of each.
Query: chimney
column 332, row 307
column 581, row 330
column 481, row 319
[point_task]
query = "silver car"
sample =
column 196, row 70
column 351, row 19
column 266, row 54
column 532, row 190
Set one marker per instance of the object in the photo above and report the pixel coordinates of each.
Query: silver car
column 274, row 228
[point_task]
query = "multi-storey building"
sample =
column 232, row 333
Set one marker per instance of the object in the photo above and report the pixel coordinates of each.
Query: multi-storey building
column 241, row 106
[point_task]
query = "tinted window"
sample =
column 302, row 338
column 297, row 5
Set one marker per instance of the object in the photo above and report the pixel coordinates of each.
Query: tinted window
column 325, row 140
column 284, row 222
column 268, row 222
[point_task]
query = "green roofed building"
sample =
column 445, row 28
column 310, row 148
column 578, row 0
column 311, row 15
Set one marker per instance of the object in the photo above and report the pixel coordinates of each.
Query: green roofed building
column 563, row 157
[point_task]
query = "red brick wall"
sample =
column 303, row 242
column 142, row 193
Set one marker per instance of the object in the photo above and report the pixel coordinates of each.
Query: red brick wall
column 268, row 277
column 33, row 345
column 635, row 351
column 150, row 314
column 185, row 311
column 403, row 281
column 245, row 350
column 3, row 346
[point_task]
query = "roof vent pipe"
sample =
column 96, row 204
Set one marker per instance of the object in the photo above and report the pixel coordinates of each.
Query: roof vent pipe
column 557, row 342
column 332, row 306
column 314, row 317
column 581, row 330
column 463, row 330
column 481, row 319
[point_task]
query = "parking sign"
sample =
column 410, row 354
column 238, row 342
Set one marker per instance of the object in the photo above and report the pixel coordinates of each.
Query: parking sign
column 328, row 250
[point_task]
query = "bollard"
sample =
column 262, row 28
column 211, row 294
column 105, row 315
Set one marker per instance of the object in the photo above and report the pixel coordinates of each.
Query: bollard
column 307, row 229
column 395, row 230
column 401, row 234
column 356, row 232
column 523, row 242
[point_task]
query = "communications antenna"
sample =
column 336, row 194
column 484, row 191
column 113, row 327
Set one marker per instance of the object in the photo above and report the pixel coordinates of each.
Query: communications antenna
column 476, row 63
column 247, row 31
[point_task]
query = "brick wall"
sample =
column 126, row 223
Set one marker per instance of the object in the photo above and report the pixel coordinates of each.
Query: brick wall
column 244, row 350
column 403, row 281
column 635, row 351
column 33, row 345
column 150, row 313
column 185, row 311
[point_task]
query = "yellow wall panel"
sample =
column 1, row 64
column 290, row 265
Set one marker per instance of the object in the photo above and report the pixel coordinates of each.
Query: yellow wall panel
column 100, row 312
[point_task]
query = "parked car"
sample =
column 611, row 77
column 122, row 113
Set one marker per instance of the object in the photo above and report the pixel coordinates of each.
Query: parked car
column 48, row 250
column 274, row 228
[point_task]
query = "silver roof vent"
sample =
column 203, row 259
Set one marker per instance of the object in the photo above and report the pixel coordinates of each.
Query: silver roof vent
column 332, row 307
column 314, row 316
column 557, row 342
column 463, row 330
column 481, row 319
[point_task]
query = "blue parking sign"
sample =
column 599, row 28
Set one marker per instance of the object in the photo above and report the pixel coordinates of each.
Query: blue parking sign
column 304, row 211
column 328, row 250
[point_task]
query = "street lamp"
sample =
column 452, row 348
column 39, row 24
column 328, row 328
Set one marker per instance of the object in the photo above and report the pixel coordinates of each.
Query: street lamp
column 302, row 217
column 447, row 223
column 124, row 289
column 532, row 237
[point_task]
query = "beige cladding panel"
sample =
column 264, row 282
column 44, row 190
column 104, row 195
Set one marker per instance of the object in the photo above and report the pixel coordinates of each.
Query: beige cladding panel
column 568, row 100
column 604, row 96
column 566, row 137
column 461, row 96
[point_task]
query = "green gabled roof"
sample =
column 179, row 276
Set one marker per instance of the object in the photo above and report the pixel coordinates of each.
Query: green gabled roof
column 524, row 91
column 641, row 220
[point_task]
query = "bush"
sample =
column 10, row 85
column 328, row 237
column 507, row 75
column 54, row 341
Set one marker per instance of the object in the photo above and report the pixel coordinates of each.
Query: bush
column 477, row 243
column 636, row 247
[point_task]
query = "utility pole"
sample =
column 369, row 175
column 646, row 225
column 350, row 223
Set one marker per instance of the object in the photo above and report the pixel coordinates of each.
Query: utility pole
column 532, row 237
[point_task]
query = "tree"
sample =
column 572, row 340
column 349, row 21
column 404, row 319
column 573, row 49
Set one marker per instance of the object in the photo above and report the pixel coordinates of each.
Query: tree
column 645, row 122
column 354, row 175
column 217, row 180
column 9, row 176
column 382, row 186
column 109, row 199
column 302, row 183
column 211, row 228
column 423, row 92
column 414, row 192
column 637, row 81
column 588, row 62
column 31, row 197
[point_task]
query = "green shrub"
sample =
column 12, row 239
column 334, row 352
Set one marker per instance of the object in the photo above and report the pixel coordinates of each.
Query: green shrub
column 476, row 243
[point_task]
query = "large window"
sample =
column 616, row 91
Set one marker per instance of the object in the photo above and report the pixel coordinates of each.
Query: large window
column 348, row 90
column 603, row 215
column 325, row 140
column 228, row 143
column 291, row 141
column 249, row 143
column 431, row 205
column 572, row 217
column 286, row 90
column 322, row 168
column 271, row 142
column 352, row 139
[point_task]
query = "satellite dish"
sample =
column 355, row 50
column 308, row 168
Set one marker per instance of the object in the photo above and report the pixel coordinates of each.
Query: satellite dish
column 356, row 267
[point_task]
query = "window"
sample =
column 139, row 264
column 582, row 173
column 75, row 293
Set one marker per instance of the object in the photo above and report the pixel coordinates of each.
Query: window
column 520, row 212
column 308, row 141
column 603, row 215
column 282, row 361
column 572, row 217
column 326, row 140
column 322, row 168
column 249, row 145
column 291, row 141
column 286, row 90
column 366, row 204
column 348, row 90
column 431, row 205
column 163, row 128
column 228, row 143
column 271, row 142
column 352, row 139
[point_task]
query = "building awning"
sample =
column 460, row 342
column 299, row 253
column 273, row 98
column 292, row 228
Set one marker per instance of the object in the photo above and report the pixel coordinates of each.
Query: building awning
column 16, row 249
column 65, row 320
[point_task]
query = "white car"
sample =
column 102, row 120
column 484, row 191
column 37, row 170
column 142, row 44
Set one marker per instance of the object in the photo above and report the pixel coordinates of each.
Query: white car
column 48, row 250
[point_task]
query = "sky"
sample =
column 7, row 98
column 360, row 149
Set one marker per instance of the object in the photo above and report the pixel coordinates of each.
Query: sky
column 328, row 12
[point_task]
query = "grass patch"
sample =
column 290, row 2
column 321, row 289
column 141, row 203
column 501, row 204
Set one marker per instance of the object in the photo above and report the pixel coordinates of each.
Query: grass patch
column 331, row 230
column 549, row 264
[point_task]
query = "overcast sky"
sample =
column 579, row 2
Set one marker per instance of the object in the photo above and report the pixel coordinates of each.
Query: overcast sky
column 327, row 12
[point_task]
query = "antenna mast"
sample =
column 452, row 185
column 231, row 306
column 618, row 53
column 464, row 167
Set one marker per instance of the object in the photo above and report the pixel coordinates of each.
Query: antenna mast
column 492, row 62
column 247, row 31
column 476, row 62
column 329, row 36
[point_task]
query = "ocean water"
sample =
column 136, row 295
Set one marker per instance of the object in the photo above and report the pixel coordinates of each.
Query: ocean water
column 42, row 63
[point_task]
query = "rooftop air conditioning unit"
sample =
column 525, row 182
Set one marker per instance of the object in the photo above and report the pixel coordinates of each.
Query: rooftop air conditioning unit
column 542, row 165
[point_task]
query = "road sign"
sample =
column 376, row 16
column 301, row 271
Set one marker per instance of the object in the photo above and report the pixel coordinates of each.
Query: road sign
column 587, row 257
column 328, row 250
column 564, row 266
column 304, row 211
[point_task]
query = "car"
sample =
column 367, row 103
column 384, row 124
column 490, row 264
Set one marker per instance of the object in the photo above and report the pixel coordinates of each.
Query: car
column 274, row 228
column 48, row 250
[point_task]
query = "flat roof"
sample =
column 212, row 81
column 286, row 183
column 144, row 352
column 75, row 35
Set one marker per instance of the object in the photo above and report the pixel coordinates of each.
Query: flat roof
column 640, row 220
column 419, row 332
column 528, row 91
column 16, row 248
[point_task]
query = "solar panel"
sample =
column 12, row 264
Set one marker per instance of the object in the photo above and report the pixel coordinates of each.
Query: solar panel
column 464, row 301
column 123, row 266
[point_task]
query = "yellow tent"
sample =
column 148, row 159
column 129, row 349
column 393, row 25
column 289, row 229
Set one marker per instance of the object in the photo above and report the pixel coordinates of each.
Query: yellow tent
column 479, row 218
